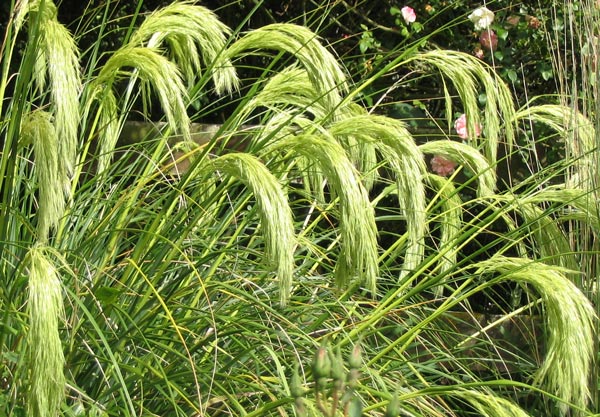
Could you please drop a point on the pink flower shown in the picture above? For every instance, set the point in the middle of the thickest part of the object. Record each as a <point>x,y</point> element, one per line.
<point>409,15</point>
<point>460,125</point>
<point>442,166</point>
<point>488,40</point>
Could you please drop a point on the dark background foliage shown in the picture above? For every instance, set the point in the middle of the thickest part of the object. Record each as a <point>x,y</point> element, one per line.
<point>365,35</point>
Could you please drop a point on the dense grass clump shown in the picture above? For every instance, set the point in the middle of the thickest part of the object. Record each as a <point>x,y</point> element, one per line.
<point>194,273</point>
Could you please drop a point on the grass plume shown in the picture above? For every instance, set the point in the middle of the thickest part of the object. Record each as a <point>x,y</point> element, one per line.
<point>274,211</point>
<point>46,360</point>
<point>37,128</point>
<point>58,57</point>
<point>569,319</point>
<point>324,70</point>
<point>190,32</point>
<point>467,73</point>
<point>152,69</point>
<point>358,256</point>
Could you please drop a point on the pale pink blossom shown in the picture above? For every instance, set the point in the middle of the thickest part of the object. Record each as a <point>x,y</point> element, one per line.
<point>409,15</point>
<point>460,125</point>
<point>442,165</point>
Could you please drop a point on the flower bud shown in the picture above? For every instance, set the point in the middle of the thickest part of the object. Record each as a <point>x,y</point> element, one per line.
<point>355,409</point>
<point>300,408</point>
<point>296,388</point>
<point>321,366</point>
<point>337,365</point>
<point>355,360</point>
<point>353,376</point>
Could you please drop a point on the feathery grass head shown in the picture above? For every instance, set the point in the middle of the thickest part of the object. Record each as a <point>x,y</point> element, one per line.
<point>37,128</point>
<point>151,68</point>
<point>190,31</point>
<point>46,358</point>
<point>399,150</point>
<point>569,319</point>
<point>58,58</point>
<point>358,255</point>
<point>290,88</point>
<point>465,155</point>
<point>108,120</point>
<point>324,71</point>
<point>548,238</point>
<point>21,8</point>
<point>274,212</point>
<point>490,405</point>
<point>552,239</point>
<point>577,132</point>
<point>467,73</point>
<point>586,209</point>
<point>450,219</point>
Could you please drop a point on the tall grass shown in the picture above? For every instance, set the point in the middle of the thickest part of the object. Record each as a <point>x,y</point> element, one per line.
<point>576,69</point>
<point>144,289</point>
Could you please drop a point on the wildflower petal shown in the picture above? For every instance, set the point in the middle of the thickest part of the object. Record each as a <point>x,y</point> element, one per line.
<point>408,14</point>
<point>482,18</point>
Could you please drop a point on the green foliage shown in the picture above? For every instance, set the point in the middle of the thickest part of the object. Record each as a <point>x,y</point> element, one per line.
<point>196,275</point>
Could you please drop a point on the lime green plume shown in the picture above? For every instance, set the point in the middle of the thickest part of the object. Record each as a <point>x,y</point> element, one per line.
<point>357,217</point>
<point>45,356</point>
<point>570,324</point>
<point>37,128</point>
<point>190,32</point>
<point>58,58</point>
<point>323,69</point>
<point>275,213</point>
<point>151,69</point>
<point>488,404</point>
